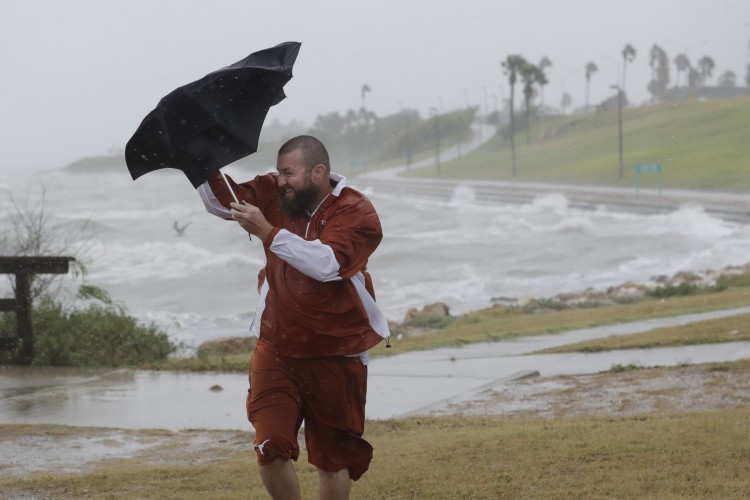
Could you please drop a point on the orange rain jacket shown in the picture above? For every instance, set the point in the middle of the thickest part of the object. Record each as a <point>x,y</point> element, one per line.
<point>316,296</point>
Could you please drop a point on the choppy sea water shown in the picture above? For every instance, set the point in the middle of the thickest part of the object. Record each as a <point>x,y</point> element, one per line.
<point>202,285</point>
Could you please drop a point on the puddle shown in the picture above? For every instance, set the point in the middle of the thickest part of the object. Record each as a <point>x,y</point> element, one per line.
<point>401,385</point>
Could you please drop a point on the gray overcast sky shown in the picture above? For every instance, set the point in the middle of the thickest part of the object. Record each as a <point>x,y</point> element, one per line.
<point>79,75</point>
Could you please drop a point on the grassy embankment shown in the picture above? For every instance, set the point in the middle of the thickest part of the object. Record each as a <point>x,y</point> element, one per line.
<point>700,145</point>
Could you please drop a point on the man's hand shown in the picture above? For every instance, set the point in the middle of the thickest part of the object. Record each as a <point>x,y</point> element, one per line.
<point>251,219</point>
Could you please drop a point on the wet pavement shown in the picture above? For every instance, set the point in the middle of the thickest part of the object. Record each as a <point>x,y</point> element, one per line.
<point>402,385</point>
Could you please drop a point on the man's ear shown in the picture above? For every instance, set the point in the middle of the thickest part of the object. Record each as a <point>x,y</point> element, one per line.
<point>319,171</point>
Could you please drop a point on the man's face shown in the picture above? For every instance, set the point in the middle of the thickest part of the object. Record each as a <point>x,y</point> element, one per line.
<point>296,189</point>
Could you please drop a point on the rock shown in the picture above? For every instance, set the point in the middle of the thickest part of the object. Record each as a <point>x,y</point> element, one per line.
<point>628,289</point>
<point>503,301</point>
<point>436,310</point>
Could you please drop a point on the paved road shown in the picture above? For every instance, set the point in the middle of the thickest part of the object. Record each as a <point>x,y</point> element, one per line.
<point>734,207</point>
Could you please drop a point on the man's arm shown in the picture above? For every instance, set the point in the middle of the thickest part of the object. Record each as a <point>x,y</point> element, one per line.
<point>344,245</point>
<point>217,197</point>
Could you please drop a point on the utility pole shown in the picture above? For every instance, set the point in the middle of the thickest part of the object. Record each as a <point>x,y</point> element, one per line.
<point>437,138</point>
<point>619,125</point>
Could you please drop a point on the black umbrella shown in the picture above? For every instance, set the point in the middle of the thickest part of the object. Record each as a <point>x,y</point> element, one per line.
<point>207,124</point>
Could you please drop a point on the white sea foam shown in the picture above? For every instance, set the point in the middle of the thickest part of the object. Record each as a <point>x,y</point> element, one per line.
<point>118,263</point>
<point>459,251</point>
<point>689,220</point>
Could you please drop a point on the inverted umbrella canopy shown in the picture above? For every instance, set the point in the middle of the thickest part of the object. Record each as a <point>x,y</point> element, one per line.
<point>207,124</point>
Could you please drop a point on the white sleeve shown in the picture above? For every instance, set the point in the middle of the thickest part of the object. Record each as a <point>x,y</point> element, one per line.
<point>212,203</point>
<point>313,258</point>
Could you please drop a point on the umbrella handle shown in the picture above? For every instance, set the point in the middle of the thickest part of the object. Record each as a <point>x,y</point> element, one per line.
<point>229,186</point>
<point>233,195</point>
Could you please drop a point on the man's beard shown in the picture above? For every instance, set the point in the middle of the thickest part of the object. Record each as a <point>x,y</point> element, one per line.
<point>301,199</point>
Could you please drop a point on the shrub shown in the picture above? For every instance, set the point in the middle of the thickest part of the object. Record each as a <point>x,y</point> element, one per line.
<point>732,280</point>
<point>681,290</point>
<point>99,334</point>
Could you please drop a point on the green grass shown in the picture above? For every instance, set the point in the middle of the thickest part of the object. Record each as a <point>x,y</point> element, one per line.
<point>714,331</point>
<point>694,455</point>
<point>700,145</point>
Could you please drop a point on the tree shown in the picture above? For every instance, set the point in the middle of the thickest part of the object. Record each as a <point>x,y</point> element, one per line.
<point>705,66</point>
<point>511,67</point>
<point>628,54</point>
<point>32,230</point>
<point>727,80</point>
<point>591,68</point>
<point>682,64</point>
<point>659,72</point>
<point>530,75</point>
<point>543,65</point>
<point>365,89</point>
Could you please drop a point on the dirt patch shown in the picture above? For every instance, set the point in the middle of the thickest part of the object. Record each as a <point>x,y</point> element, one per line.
<point>61,449</point>
<point>656,390</point>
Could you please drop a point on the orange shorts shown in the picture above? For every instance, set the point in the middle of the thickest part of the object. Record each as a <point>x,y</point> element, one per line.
<point>328,394</point>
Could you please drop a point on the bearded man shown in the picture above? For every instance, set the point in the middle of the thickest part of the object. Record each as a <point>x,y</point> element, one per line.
<point>316,316</point>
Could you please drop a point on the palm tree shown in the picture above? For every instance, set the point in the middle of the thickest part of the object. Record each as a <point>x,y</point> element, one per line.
<point>365,89</point>
<point>530,75</point>
<point>705,66</point>
<point>543,65</point>
<point>591,68</point>
<point>511,67</point>
<point>628,54</point>
<point>681,63</point>
<point>659,62</point>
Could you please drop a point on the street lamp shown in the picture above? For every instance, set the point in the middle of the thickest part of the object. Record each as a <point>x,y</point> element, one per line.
<point>408,151</point>
<point>619,124</point>
<point>484,112</point>
<point>436,113</point>
<point>497,113</point>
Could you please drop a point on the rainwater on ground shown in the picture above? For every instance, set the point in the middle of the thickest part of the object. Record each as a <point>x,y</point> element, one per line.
<point>402,385</point>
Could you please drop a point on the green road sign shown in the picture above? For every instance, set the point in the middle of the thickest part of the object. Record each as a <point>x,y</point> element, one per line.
<point>647,168</point>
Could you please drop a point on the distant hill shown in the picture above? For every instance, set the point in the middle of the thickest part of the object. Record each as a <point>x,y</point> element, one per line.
<point>90,164</point>
<point>265,157</point>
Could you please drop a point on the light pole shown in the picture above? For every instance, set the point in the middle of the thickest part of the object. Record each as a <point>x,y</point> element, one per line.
<point>408,137</point>
<point>619,124</point>
<point>436,113</point>
<point>484,109</point>
<point>618,65</point>
<point>497,113</point>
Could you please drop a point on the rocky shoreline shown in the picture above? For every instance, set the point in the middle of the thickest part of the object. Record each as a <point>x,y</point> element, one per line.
<point>681,283</point>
